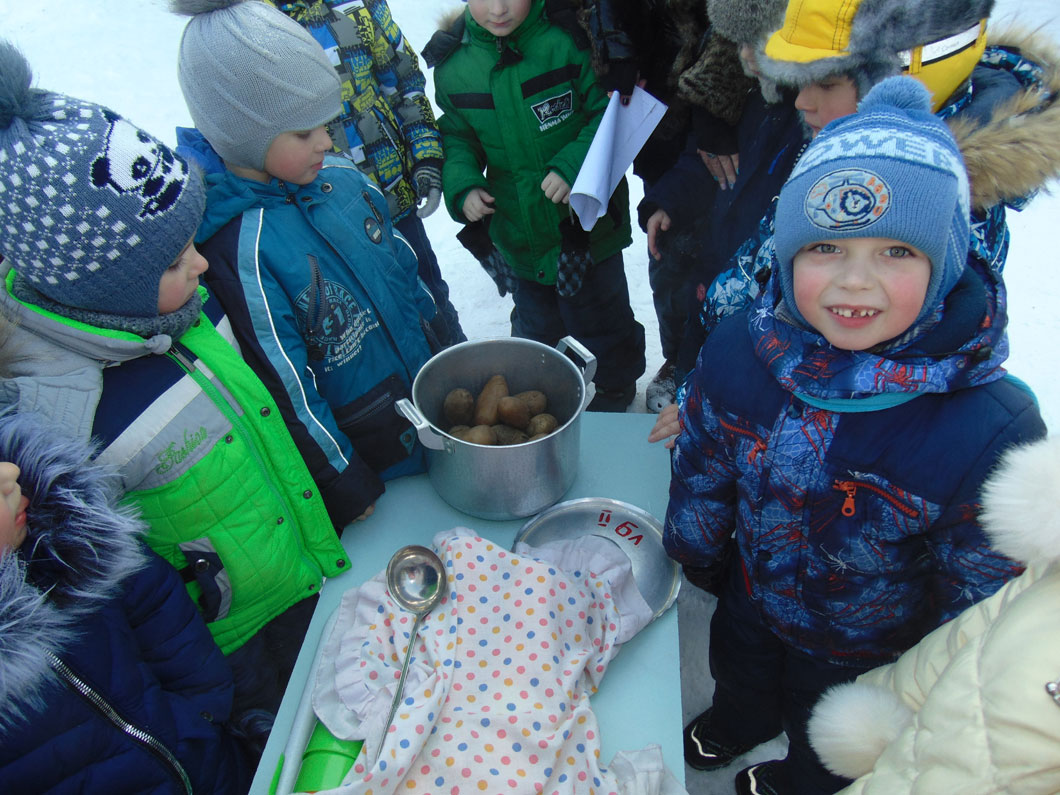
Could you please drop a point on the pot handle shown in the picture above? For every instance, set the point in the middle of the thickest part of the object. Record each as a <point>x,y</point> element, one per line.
<point>588,360</point>
<point>428,437</point>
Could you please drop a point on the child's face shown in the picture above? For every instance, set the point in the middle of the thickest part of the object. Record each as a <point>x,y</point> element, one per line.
<point>181,280</point>
<point>499,17</point>
<point>860,291</point>
<point>13,509</point>
<point>827,101</point>
<point>297,157</point>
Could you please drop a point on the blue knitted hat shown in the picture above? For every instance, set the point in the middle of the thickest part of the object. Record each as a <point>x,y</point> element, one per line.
<point>93,210</point>
<point>891,170</point>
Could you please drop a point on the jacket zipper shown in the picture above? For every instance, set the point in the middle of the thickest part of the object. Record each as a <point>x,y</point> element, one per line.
<point>224,402</point>
<point>851,488</point>
<point>100,705</point>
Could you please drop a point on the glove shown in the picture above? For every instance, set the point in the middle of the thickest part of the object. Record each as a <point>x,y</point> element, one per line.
<point>428,181</point>
<point>476,239</point>
<point>574,258</point>
<point>621,76</point>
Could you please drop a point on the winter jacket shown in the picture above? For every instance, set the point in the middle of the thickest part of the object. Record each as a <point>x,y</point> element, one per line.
<point>975,706</point>
<point>849,479</point>
<point>326,306</point>
<point>387,125</point>
<point>109,680</point>
<point>201,449</point>
<point>519,107</point>
<point>1007,126</point>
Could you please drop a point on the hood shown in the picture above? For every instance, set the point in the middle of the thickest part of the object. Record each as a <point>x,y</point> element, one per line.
<point>79,548</point>
<point>228,196</point>
<point>964,345</point>
<point>1013,148</point>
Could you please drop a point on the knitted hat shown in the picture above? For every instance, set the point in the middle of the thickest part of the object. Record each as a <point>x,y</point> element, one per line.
<point>249,74</point>
<point>891,170</point>
<point>937,41</point>
<point>745,21</point>
<point>93,209</point>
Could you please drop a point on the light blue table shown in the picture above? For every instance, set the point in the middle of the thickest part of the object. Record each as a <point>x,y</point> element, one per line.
<point>639,701</point>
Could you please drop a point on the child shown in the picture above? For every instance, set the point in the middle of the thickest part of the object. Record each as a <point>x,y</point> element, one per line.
<point>989,677</point>
<point>324,297</point>
<point>109,678</point>
<point>386,125</point>
<point>863,404</point>
<point>117,342</point>
<point>520,100</point>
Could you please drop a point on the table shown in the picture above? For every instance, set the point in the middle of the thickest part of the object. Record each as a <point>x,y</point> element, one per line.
<point>639,700</point>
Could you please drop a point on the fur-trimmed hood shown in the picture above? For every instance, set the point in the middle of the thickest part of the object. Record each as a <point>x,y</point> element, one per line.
<point>79,547</point>
<point>855,722</point>
<point>1016,151</point>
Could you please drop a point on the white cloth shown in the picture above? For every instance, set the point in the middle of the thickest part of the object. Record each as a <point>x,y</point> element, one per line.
<point>497,695</point>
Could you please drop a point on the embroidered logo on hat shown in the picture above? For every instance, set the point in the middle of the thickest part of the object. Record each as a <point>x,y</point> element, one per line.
<point>850,198</point>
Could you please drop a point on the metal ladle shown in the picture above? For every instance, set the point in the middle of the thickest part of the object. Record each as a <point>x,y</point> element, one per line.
<point>416,580</point>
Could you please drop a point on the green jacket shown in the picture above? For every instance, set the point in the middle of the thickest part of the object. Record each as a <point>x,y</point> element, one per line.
<point>518,107</point>
<point>201,449</point>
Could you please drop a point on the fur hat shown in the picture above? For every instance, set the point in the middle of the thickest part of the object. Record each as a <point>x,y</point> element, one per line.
<point>745,21</point>
<point>890,170</point>
<point>249,74</point>
<point>937,41</point>
<point>95,209</point>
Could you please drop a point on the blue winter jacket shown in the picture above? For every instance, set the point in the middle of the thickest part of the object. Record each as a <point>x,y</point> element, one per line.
<point>847,479</point>
<point>328,310</point>
<point>110,681</point>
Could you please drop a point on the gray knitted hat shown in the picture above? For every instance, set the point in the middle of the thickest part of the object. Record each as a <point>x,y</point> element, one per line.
<point>249,74</point>
<point>745,21</point>
<point>94,209</point>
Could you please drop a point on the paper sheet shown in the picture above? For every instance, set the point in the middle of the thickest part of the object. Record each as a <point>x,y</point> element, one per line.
<point>621,134</point>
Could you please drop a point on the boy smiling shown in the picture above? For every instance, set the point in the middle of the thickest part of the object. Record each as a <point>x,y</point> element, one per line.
<point>862,406</point>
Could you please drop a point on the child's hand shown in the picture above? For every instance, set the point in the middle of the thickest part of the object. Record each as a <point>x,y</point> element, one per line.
<point>556,188</point>
<point>658,223</point>
<point>666,427</point>
<point>477,205</point>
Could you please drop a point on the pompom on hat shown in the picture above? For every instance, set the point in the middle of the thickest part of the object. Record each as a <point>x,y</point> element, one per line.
<point>93,210</point>
<point>249,74</point>
<point>891,170</point>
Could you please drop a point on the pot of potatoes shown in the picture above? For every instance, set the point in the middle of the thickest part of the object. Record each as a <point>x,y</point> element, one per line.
<point>501,422</point>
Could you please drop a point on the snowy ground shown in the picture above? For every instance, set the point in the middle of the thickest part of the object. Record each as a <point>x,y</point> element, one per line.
<point>122,53</point>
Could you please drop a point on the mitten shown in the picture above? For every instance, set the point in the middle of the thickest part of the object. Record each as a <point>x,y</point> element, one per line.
<point>476,239</point>
<point>621,76</point>
<point>574,258</point>
<point>428,181</point>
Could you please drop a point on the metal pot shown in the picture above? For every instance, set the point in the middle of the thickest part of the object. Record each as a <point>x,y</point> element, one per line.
<point>512,481</point>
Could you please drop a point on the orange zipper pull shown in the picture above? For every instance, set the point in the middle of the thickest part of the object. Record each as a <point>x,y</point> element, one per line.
<point>851,489</point>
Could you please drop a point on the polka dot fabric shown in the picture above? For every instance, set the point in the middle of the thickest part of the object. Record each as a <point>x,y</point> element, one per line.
<point>497,695</point>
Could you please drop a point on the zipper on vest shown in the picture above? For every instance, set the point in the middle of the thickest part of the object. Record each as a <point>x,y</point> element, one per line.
<point>148,741</point>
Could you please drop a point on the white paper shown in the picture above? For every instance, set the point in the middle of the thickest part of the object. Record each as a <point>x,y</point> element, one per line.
<point>622,132</point>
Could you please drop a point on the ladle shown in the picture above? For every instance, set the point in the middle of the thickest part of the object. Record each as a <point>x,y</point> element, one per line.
<point>416,580</point>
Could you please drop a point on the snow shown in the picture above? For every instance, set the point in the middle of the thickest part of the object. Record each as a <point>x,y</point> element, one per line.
<point>122,53</point>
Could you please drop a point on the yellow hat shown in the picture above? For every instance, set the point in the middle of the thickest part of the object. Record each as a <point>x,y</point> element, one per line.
<point>937,41</point>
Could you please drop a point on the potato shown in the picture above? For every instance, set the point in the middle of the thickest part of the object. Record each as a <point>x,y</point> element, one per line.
<point>459,407</point>
<point>506,434</point>
<point>541,424</point>
<point>459,430</point>
<point>480,434</point>
<point>534,400</point>
<point>488,398</point>
<point>514,412</point>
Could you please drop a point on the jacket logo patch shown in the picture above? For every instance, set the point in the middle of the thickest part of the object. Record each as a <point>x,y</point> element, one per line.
<point>334,324</point>
<point>553,110</point>
<point>373,230</point>
<point>847,199</point>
